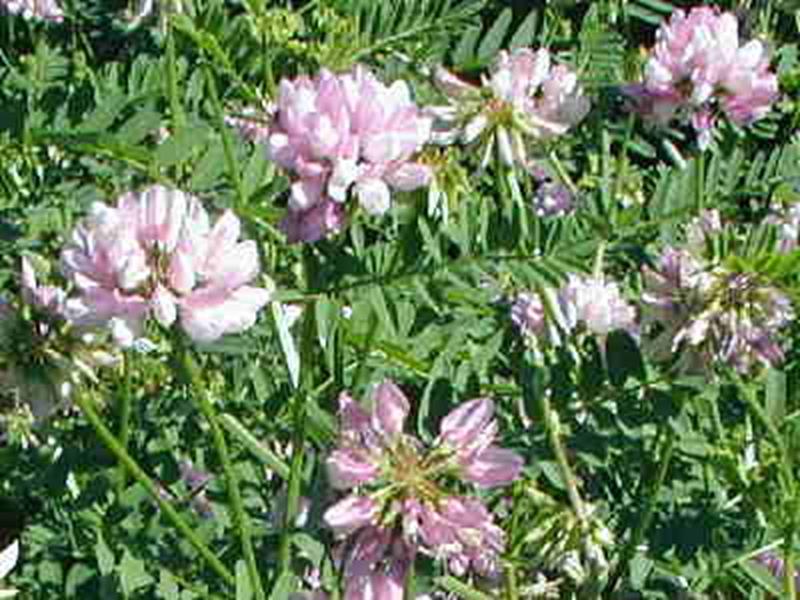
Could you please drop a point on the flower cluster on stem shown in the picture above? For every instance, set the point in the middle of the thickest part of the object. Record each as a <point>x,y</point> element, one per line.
<point>524,97</point>
<point>156,253</point>
<point>708,313</point>
<point>341,135</point>
<point>407,498</point>
<point>43,358</point>
<point>590,303</point>
<point>698,69</point>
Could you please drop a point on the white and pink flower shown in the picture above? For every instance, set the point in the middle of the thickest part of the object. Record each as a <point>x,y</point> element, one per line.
<point>698,69</point>
<point>524,97</point>
<point>343,135</point>
<point>156,254</point>
<point>400,502</point>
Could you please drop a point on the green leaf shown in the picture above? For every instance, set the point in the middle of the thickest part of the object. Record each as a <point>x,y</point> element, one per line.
<point>256,448</point>
<point>105,558</point>
<point>244,590</point>
<point>526,32</point>
<point>776,396</point>
<point>133,574</point>
<point>180,146</point>
<point>286,584</point>
<point>493,40</point>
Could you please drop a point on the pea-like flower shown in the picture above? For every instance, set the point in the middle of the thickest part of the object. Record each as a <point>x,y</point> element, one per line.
<point>698,69</point>
<point>342,135</point>
<point>406,497</point>
<point>42,358</point>
<point>590,303</point>
<point>707,313</point>
<point>524,97</point>
<point>157,254</point>
<point>47,10</point>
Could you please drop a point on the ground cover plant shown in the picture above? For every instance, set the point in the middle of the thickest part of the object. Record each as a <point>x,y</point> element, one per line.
<point>404,299</point>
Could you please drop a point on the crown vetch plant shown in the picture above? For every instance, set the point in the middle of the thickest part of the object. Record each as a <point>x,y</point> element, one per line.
<point>525,99</point>
<point>406,497</point>
<point>698,69</point>
<point>157,254</point>
<point>651,398</point>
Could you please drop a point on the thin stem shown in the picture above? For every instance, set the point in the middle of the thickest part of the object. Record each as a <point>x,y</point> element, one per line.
<point>299,421</point>
<point>649,510</point>
<point>240,519</point>
<point>553,426</point>
<point>556,165</point>
<point>788,561</point>
<point>227,145</point>
<point>141,477</point>
<point>126,402</point>
<point>295,477</point>
<point>700,181</point>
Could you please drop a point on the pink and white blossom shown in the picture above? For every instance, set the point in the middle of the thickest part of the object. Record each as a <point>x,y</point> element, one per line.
<point>47,10</point>
<point>341,136</point>
<point>708,315</point>
<point>156,254</point>
<point>698,69</point>
<point>401,500</point>
<point>524,97</point>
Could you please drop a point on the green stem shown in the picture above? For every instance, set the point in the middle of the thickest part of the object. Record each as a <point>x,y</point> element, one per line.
<point>295,477</point>
<point>553,426</point>
<point>240,519</point>
<point>699,181</point>
<point>649,510</point>
<point>141,477</point>
<point>299,421</point>
<point>788,561</point>
<point>227,145</point>
<point>176,109</point>
<point>126,403</point>
<point>562,173</point>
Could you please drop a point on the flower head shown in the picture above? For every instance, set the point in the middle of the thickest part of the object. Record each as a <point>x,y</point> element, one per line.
<point>343,135</point>
<point>157,254</point>
<point>523,97</point>
<point>698,69</point>
<point>709,313</point>
<point>47,10</point>
<point>43,358</point>
<point>401,496</point>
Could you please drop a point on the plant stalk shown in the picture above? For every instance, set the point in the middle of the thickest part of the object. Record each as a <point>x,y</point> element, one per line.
<point>240,519</point>
<point>649,510</point>
<point>142,478</point>
<point>125,410</point>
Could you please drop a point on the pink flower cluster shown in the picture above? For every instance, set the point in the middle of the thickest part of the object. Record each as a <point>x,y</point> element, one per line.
<point>157,254</point>
<point>525,96</point>
<point>588,301</point>
<point>43,359</point>
<point>698,67</point>
<point>400,500</point>
<point>707,314</point>
<point>343,133</point>
<point>48,10</point>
